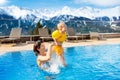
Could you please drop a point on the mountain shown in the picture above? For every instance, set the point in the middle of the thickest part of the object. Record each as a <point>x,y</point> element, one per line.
<point>87,12</point>
<point>14,16</point>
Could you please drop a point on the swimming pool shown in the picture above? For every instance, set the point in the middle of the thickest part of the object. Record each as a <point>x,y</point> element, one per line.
<point>101,62</point>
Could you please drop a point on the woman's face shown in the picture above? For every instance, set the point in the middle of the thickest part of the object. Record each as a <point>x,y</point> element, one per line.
<point>42,48</point>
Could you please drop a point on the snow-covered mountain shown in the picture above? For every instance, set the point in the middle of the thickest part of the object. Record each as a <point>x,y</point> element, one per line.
<point>13,16</point>
<point>87,12</point>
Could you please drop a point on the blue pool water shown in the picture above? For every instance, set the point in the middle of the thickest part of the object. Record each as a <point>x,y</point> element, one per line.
<point>84,63</point>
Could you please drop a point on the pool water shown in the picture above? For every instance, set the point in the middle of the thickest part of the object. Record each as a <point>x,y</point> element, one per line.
<point>101,62</point>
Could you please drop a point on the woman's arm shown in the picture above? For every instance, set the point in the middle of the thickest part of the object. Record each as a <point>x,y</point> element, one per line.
<point>48,54</point>
<point>57,43</point>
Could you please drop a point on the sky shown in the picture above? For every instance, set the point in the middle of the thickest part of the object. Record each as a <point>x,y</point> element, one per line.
<point>56,4</point>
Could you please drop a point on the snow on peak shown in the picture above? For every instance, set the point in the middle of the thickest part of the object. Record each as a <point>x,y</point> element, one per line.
<point>87,12</point>
<point>16,11</point>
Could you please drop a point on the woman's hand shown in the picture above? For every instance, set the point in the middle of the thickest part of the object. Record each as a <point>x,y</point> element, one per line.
<point>50,45</point>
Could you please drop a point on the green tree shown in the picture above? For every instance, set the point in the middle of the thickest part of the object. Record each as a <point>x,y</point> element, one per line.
<point>36,32</point>
<point>31,30</point>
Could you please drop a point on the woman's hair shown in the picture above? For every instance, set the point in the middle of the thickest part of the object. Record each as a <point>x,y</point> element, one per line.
<point>37,46</point>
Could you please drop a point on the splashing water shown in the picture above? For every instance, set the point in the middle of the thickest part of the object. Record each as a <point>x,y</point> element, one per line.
<point>54,65</point>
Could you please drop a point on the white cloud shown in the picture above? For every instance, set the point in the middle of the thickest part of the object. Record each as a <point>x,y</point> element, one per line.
<point>104,3</point>
<point>3,2</point>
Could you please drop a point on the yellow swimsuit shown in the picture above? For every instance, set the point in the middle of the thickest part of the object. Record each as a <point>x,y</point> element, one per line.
<point>60,37</point>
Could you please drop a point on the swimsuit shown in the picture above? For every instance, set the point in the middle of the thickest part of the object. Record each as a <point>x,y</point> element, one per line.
<point>60,37</point>
<point>58,49</point>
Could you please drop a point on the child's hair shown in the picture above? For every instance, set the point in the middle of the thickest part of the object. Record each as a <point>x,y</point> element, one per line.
<point>61,25</point>
<point>37,46</point>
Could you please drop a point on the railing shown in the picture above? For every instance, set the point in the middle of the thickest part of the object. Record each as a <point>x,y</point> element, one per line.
<point>32,38</point>
<point>80,26</point>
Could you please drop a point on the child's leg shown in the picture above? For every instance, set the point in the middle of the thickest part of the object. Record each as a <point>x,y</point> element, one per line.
<point>59,51</point>
<point>62,59</point>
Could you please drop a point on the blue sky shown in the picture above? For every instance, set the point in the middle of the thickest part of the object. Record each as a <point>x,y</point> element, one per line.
<point>55,4</point>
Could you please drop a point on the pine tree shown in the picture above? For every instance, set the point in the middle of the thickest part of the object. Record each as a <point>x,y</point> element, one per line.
<point>36,32</point>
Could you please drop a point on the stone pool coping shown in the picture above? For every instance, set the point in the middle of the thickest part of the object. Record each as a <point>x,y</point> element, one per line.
<point>23,46</point>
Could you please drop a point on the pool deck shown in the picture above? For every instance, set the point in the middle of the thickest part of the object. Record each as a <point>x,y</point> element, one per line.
<point>23,46</point>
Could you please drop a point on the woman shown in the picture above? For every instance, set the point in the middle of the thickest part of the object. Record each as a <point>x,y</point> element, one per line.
<point>40,51</point>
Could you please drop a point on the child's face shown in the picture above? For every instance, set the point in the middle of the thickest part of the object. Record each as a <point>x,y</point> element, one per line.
<point>63,29</point>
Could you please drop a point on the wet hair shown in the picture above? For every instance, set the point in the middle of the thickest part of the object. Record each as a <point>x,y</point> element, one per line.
<point>37,46</point>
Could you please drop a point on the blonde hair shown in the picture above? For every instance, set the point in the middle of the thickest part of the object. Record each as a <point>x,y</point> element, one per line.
<point>61,25</point>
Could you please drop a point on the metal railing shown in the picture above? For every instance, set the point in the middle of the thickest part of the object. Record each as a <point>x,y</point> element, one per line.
<point>80,26</point>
